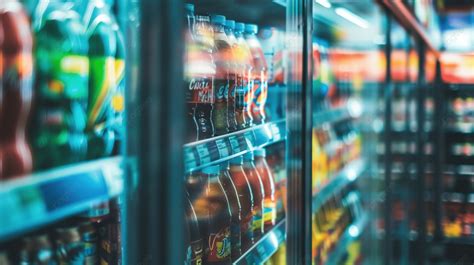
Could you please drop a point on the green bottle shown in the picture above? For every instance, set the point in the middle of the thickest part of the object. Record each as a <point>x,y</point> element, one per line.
<point>106,71</point>
<point>61,86</point>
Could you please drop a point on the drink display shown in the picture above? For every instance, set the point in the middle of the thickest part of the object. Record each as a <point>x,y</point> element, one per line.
<point>61,86</point>
<point>17,91</point>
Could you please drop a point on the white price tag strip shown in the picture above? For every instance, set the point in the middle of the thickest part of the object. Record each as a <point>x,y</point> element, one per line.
<point>234,143</point>
<point>204,156</point>
<point>222,148</point>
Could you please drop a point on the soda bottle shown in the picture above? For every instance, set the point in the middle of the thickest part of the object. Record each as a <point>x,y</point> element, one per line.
<point>202,70</point>
<point>190,50</point>
<point>222,50</point>
<point>269,202</point>
<point>259,74</point>
<point>61,86</point>
<point>258,193</point>
<point>244,93</point>
<point>105,74</point>
<point>232,75</point>
<point>218,215</point>
<point>17,89</point>
<point>244,191</point>
<point>195,251</point>
<point>236,210</point>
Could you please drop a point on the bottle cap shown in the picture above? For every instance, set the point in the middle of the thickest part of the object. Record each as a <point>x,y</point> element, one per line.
<point>230,24</point>
<point>211,170</point>
<point>237,160</point>
<point>189,7</point>
<point>260,152</point>
<point>248,156</point>
<point>251,28</point>
<point>218,20</point>
<point>239,27</point>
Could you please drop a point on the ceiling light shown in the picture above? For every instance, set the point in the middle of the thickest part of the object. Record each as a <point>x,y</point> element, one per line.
<point>351,17</point>
<point>324,3</point>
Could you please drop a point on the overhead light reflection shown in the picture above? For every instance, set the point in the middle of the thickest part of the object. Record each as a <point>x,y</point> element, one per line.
<point>354,231</point>
<point>351,17</point>
<point>324,3</point>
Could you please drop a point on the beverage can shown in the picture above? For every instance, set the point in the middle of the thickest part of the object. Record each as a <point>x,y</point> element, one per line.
<point>69,245</point>
<point>16,89</point>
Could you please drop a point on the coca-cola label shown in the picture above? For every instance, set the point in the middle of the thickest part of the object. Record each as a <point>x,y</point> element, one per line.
<point>219,246</point>
<point>200,90</point>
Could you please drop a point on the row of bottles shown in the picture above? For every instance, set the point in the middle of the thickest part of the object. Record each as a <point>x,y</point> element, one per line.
<point>227,74</point>
<point>62,84</point>
<point>230,207</point>
<point>333,148</point>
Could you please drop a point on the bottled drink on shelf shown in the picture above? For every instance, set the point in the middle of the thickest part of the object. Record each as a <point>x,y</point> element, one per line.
<point>244,92</point>
<point>90,240</point>
<point>236,210</point>
<point>269,202</point>
<point>222,55</point>
<point>106,68</point>
<point>258,193</point>
<point>61,86</point>
<point>16,89</point>
<point>233,75</point>
<point>195,245</point>
<point>214,208</point>
<point>69,245</point>
<point>191,48</point>
<point>200,73</point>
<point>259,74</point>
<point>244,191</point>
<point>1,103</point>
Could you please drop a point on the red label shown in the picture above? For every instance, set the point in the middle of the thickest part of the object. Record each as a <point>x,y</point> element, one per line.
<point>200,90</point>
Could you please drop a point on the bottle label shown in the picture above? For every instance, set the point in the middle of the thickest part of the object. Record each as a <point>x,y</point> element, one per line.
<point>257,221</point>
<point>269,212</point>
<point>102,83</point>
<point>260,93</point>
<point>248,92</point>
<point>118,100</point>
<point>219,246</point>
<point>200,90</point>
<point>194,254</point>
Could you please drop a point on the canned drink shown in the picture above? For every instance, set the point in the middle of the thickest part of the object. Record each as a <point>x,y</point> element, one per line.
<point>69,245</point>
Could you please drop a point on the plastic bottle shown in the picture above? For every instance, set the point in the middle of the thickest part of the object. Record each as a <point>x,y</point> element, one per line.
<point>269,202</point>
<point>236,210</point>
<point>202,71</point>
<point>1,98</point>
<point>17,89</point>
<point>190,50</point>
<point>259,74</point>
<point>104,76</point>
<point>222,52</point>
<point>61,86</point>
<point>244,190</point>
<point>218,219</point>
<point>233,75</point>
<point>244,93</point>
<point>258,193</point>
<point>195,250</point>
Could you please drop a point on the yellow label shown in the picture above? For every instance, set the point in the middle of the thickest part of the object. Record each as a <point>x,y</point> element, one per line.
<point>75,64</point>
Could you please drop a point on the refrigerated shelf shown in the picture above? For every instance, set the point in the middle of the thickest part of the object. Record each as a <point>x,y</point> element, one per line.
<point>42,198</point>
<point>351,233</point>
<point>215,150</point>
<point>346,176</point>
<point>265,247</point>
